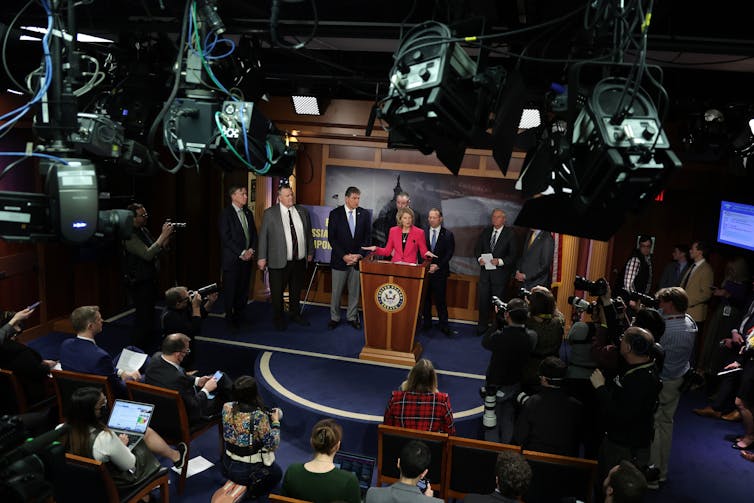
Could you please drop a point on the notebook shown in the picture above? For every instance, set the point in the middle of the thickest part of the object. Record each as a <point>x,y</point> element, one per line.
<point>362,466</point>
<point>130,419</point>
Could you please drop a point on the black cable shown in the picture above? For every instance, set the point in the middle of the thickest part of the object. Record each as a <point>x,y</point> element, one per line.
<point>275,18</point>
<point>13,165</point>
<point>174,90</point>
<point>5,44</point>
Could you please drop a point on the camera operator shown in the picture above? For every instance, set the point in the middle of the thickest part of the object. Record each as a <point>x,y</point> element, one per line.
<point>547,322</point>
<point>628,403</point>
<point>550,420</point>
<point>140,269</point>
<point>510,348</point>
<point>184,312</point>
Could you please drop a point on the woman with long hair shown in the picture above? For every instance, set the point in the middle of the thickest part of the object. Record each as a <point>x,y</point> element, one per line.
<point>319,480</point>
<point>89,436</point>
<point>251,434</point>
<point>418,404</point>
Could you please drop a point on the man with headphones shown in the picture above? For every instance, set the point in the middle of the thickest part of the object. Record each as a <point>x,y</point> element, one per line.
<point>550,420</point>
<point>628,403</point>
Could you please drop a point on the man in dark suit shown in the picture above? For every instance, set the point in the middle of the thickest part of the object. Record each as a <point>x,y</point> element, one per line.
<point>536,261</point>
<point>499,243</point>
<point>81,354</point>
<point>441,242</point>
<point>512,478</point>
<point>286,245</point>
<point>238,237</point>
<point>202,396</point>
<point>348,229</point>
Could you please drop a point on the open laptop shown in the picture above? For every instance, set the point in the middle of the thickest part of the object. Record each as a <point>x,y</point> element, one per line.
<point>130,419</point>
<point>362,466</point>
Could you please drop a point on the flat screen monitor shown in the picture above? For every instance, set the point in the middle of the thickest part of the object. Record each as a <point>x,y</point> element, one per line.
<point>736,226</point>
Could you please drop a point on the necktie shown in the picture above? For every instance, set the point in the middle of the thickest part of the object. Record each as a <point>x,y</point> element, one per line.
<point>351,223</point>
<point>687,276</point>
<point>532,238</point>
<point>434,239</point>
<point>493,240</point>
<point>244,225</point>
<point>294,238</point>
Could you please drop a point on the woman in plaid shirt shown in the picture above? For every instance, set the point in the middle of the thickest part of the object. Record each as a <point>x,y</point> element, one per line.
<point>418,405</point>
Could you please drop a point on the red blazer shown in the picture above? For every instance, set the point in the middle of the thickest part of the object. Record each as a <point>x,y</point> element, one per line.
<point>414,242</point>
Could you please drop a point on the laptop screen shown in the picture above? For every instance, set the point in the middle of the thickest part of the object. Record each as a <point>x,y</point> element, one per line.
<point>362,466</point>
<point>130,416</point>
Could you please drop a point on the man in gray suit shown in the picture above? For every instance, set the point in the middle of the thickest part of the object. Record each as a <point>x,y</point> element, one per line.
<point>285,246</point>
<point>413,465</point>
<point>534,266</point>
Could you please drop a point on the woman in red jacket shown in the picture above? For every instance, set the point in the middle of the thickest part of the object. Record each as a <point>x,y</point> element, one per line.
<point>404,240</point>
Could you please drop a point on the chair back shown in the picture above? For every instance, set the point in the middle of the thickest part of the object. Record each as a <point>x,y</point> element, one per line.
<point>471,466</point>
<point>390,441</point>
<point>12,396</point>
<point>66,382</point>
<point>86,476</point>
<point>556,477</point>
<point>170,419</point>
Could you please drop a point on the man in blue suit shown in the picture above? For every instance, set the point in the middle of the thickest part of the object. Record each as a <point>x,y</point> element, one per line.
<point>238,236</point>
<point>286,245</point>
<point>441,242</point>
<point>349,227</point>
<point>81,354</point>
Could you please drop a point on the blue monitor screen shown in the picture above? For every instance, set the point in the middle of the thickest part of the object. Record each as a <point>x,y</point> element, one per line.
<point>736,226</point>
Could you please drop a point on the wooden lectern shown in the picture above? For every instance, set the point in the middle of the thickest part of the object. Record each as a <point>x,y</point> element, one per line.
<point>391,297</point>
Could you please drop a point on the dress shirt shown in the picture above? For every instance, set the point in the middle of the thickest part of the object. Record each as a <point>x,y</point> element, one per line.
<point>678,342</point>
<point>244,222</point>
<point>299,225</point>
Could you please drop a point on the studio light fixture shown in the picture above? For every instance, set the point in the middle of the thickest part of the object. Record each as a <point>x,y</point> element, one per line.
<point>308,104</point>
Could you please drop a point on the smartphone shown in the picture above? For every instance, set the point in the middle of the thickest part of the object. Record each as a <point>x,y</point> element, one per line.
<point>218,375</point>
<point>422,484</point>
<point>35,305</point>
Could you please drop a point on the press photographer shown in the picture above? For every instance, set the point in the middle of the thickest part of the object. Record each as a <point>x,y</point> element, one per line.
<point>548,324</point>
<point>628,403</point>
<point>184,312</point>
<point>550,420</point>
<point>141,266</point>
<point>510,348</point>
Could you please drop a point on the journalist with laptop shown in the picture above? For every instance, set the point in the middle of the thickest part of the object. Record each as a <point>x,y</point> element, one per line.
<point>90,437</point>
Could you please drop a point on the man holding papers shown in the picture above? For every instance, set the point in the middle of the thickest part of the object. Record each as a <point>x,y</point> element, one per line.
<point>81,354</point>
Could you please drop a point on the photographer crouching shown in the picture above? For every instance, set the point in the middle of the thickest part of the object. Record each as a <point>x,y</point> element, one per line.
<point>510,348</point>
<point>628,403</point>
<point>184,312</point>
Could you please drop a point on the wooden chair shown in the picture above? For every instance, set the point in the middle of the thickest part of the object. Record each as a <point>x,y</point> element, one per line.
<point>66,382</point>
<point>13,398</point>
<point>89,480</point>
<point>556,477</point>
<point>390,441</point>
<point>284,499</point>
<point>470,466</point>
<point>170,419</point>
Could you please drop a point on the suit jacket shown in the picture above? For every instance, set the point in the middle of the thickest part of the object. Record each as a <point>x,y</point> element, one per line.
<point>444,249</point>
<point>398,493</point>
<point>699,291</point>
<point>505,248</point>
<point>79,355</point>
<point>232,238</point>
<point>272,244</point>
<point>536,260</point>
<point>339,235</point>
<point>163,374</point>
<point>415,242</point>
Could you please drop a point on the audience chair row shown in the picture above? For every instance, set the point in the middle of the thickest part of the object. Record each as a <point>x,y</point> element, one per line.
<point>462,465</point>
